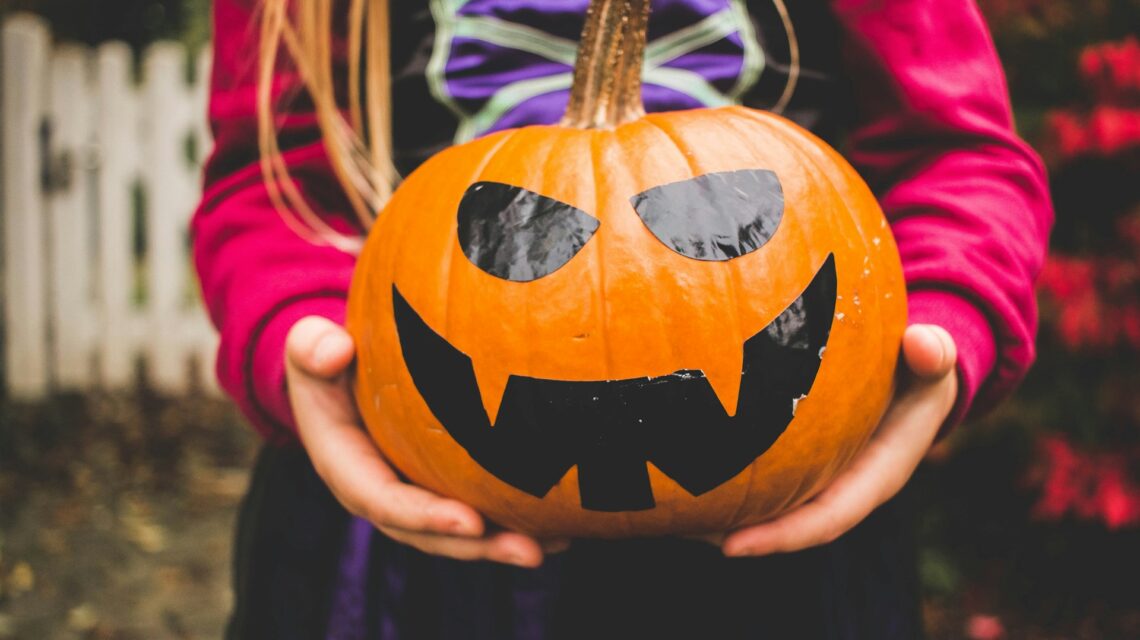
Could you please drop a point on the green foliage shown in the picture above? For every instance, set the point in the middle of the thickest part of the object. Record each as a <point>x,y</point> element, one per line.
<point>1034,513</point>
<point>1039,42</point>
<point>138,22</point>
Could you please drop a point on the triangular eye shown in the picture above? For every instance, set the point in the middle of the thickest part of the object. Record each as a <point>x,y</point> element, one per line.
<point>516,234</point>
<point>716,216</point>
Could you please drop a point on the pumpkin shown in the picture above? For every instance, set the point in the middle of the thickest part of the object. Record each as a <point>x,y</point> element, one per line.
<point>628,324</point>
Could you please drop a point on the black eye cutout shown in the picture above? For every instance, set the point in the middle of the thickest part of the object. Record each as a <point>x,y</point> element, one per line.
<point>518,235</point>
<point>716,216</point>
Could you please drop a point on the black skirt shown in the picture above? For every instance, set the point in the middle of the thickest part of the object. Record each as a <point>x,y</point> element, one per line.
<point>292,534</point>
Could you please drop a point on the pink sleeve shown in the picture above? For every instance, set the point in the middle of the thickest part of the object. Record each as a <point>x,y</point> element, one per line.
<point>258,277</point>
<point>967,199</point>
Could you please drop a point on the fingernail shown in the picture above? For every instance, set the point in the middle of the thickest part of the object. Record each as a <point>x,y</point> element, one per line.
<point>458,527</point>
<point>941,348</point>
<point>325,348</point>
<point>517,560</point>
<point>444,520</point>
<point>736,551</point>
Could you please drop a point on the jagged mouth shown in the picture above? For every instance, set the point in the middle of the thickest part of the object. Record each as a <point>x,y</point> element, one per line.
<point>611,429</point>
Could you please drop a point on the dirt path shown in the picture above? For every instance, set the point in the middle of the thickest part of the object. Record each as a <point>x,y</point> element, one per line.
<point>117,518</point>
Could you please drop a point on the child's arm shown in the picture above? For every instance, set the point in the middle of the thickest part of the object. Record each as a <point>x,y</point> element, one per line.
<point>969,205</point>
<point>967,199</point>
<point>258,276</point>
<point>260,280</point>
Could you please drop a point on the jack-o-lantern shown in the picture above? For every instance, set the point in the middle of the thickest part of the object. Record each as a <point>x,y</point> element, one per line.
<point>628,324</point>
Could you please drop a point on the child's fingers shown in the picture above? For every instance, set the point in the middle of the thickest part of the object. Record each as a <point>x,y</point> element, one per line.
<point>362,480</point>
<point>929,351</point>
<point>343,454</point>
<point>505,547</point>
<point>364,483</point>
<point>317,353</point>
<point>878,473</point>
<point>407,507</point>
<point>319,347</point>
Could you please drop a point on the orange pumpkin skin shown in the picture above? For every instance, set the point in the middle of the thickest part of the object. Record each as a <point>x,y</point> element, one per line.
<point>627,306</point>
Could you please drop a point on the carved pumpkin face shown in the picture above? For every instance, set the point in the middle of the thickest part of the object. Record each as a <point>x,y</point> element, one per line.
<point>688,322</point>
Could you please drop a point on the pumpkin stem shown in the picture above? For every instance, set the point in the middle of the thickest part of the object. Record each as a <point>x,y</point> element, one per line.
<point>607,75</point>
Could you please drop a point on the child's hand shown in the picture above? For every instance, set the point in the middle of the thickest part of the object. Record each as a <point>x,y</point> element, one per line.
<point>925,397</point>
<point>317,355</point>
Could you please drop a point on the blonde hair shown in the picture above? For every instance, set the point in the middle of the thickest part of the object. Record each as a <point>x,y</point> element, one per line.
<point>359,144</point>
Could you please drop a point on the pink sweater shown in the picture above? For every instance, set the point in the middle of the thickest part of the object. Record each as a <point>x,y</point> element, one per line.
<point>931,131</point>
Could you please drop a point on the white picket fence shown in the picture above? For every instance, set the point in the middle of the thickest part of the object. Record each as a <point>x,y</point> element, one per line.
<point>91,156</point>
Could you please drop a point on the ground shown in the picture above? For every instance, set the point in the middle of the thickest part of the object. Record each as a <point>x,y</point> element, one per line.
<point>118,518</point>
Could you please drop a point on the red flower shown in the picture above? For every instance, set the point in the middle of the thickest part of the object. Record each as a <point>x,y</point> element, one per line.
<point>1089,485</point>
<point>1130,325</point>
<point>1117,499</point>
<point>1105,131</point>
<point>1071,283</point>
<point>1111,129</point>
<point>1112,69</point>
<point>1065,278</point>
<point>1059,490</point>
<point>980,627</point>
<point>1095,302</point>
<point>1082,323</point>
<point>1065,135</point>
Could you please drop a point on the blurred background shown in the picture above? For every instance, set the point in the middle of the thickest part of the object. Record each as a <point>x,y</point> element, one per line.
<point>121,466</point>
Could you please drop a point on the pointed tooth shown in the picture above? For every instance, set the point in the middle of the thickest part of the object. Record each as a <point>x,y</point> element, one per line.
<point>724,374</point>
<point>492,381</point>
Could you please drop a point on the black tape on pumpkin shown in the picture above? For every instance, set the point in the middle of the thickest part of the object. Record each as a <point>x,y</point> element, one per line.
<point>518,235</point>
<point>715,216</point>
<point>611,429</point>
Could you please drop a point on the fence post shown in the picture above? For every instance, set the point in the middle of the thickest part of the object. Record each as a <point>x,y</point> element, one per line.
<point>25,42</point>
<point>117,131</point>
<point>69,200</point>
<point>79,137</point>
<point>167,123</point>
<point>206,338</point>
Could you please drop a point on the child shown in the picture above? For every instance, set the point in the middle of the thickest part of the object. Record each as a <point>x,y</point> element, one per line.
<point>910,90</point>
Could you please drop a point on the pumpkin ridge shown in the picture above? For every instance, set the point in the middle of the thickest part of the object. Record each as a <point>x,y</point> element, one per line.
<point>651,120</point>
<point>774,125</point>
<point>441,477</point>
<point>844,456</point>
<point>695,170</point>
<point>596,143</point>
<point>884,236</point>
<point>805,151</point>
<point>796,145</point>
<point>548,159</point>
<point>797,142</point>
<point>675,355</point>
<point>452,263</point>
<point>734,521</point>
<point>744,129</point>
<point>797,496</point>
<point>734,293</point>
